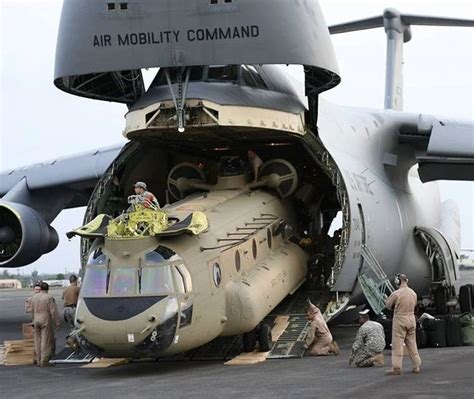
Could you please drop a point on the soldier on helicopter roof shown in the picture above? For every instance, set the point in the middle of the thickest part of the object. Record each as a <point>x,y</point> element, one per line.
<point>144,197</point>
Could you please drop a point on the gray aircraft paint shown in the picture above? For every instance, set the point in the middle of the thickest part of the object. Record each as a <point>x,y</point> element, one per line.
<point>384,185</point>
<point>259,35</point>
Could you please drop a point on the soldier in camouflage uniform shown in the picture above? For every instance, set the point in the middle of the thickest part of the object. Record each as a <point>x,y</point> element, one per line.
<point>367,350</point>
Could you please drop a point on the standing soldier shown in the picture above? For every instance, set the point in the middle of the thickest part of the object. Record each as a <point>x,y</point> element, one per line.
<point>70,297</point>
<point>403,302</point>
<point>36,290</point>
<point>319,338</point>
<point>367,349</point>
<point>45,314</point>
<point>255,163</point>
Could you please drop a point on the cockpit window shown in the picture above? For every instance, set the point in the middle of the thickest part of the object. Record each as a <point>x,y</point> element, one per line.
<point>226,73</point>
<point>97,258</point>
<point>251,77</point>
<point>95,282</point>
<point>156,280</point>
<point>164,252</point>
<point>123,281</point>
<point>153,258</point>
<point>246,75</point>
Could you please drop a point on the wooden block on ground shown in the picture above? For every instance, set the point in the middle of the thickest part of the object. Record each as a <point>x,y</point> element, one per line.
<point>106,362</point>
<point>2,355</point>
<point>281,323</point>
<point>18,352</point>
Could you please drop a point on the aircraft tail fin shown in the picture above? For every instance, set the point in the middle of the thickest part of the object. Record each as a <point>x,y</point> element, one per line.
<point>398,30</point>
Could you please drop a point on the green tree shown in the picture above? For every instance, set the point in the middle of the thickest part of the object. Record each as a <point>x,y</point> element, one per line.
<point>60,276</point>
<point>34,274</point>
<point>5,273</point>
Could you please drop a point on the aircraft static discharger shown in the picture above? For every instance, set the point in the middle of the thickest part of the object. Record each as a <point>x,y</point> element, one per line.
<point>225,250</point>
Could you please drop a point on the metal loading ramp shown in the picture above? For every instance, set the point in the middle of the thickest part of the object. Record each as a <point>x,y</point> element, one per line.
<point>291,342</point>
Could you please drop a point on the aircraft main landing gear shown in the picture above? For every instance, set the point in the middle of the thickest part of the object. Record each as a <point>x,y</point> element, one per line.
<point>465,299</point>
<point>263,334</point>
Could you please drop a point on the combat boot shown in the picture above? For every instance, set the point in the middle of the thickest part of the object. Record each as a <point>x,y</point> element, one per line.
<point>378,360</point>
<point>335,348</point>
<point>46,364</point>
<point>393,372</point>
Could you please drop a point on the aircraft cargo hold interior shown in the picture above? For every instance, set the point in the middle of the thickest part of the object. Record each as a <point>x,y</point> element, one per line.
<point>322,223</point>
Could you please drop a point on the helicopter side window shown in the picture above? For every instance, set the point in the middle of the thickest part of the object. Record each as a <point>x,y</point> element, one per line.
<point>186,277</point>
<point>123,281</point>
<point>95,282</point>
<point>179,282</point>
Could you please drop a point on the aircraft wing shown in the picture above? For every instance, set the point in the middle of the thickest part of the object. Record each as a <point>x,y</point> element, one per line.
<point>78,174</point>
<point>31,197</point>
<point>444,147</point>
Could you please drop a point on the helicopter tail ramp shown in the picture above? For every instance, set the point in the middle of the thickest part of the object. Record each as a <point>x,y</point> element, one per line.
<point>398,30</point>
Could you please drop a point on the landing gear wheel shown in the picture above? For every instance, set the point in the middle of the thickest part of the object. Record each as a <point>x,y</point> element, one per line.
<point>441,300</point>
<point>472,293</point>
<point>465,301</point>
<point>249,340</point>
<point>265,338</point>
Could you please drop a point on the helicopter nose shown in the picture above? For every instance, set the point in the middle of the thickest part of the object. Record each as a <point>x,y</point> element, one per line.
<point>119,309</point>
<point>160,337</point>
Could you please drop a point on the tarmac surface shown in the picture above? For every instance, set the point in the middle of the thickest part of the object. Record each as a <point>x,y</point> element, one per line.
<point>447,372</point>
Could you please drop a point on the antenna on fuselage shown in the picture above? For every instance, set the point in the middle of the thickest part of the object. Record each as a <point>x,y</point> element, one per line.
<point>398,30</point>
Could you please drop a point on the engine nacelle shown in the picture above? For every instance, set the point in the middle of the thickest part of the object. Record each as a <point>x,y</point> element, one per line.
<point>24,235</point>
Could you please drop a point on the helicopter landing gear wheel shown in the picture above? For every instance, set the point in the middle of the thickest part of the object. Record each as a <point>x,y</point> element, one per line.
<point>265,337</point>
<point>249,340</point>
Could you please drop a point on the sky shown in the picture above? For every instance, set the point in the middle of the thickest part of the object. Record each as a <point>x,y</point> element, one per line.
<point>39,122</point>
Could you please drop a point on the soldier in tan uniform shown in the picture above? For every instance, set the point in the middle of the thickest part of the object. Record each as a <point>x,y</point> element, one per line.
<point>36,290</point>
<point>45,315</point>
<point>255,163</point>
<point>319,338</point>
<point>70,297</point>
<point>403,302</point>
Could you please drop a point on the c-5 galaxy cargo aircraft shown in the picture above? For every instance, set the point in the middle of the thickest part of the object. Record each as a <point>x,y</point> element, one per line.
<point>229,245</point>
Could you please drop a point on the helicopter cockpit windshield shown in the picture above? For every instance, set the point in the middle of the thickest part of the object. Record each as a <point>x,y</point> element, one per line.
<point>160,272</point>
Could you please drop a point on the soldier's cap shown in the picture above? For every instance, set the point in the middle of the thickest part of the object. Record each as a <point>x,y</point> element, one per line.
<point>312,308</point>
<point>364,312</point>
<point>140,184</point>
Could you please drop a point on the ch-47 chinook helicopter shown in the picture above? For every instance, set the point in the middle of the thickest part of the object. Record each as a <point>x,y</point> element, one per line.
<point>228,247</point>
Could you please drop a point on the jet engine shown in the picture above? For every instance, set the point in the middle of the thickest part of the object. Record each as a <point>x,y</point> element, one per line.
<point>24,235</point>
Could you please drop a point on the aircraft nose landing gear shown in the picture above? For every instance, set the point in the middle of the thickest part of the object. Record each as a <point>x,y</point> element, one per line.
<point>261,334</point>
